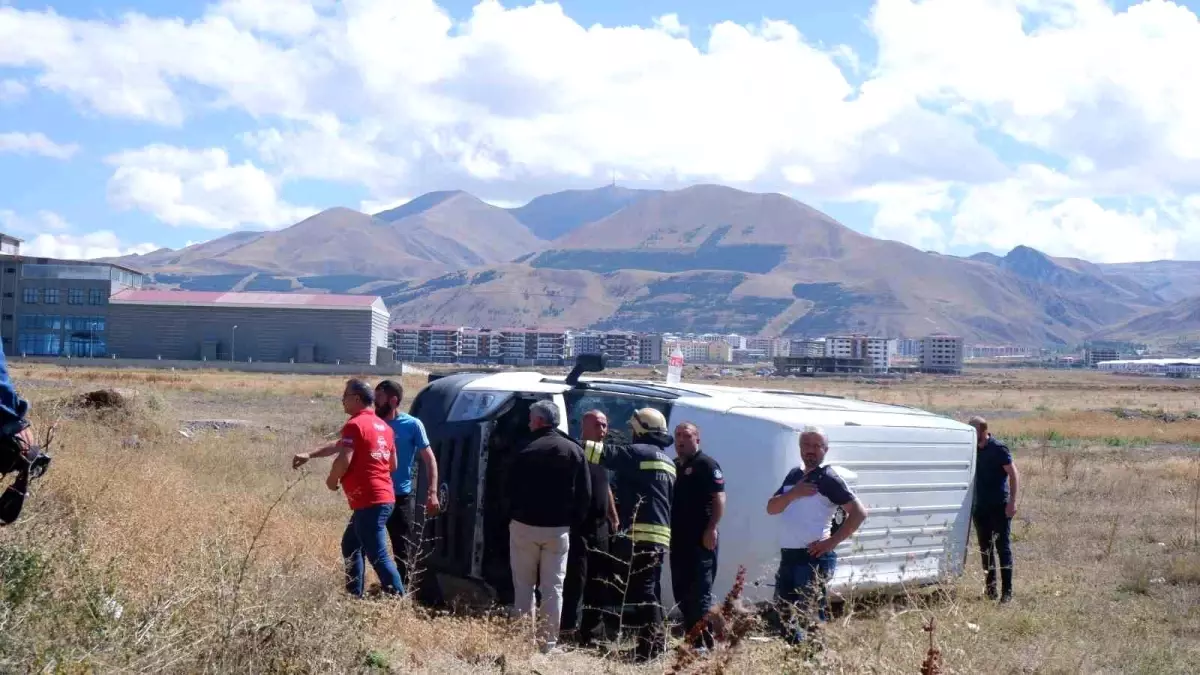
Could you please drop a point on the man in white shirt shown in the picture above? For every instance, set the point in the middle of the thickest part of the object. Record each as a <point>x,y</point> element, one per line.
<point>806,503</point>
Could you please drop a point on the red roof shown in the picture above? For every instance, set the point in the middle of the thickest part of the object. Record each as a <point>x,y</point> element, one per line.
<point>133,296</point>
<point>425,326</point>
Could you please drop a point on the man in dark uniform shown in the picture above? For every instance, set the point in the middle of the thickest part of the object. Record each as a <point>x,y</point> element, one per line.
<point>698,506</point>
<point>645,483</point>
<point>996,483</point>
<point>585,592</point>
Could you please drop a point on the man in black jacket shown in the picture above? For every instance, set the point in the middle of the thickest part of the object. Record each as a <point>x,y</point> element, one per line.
<point>549,491</point>
<point>586,592</point>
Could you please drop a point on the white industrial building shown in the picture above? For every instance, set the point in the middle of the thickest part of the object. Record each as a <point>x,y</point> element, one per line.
<point>1168,367</point>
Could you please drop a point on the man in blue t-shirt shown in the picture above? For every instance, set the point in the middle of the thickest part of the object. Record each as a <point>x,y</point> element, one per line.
<point>411,441</point>
<point>996,483</point>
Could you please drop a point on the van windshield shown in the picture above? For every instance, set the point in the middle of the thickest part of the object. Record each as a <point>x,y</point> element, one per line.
<point>616,406</point>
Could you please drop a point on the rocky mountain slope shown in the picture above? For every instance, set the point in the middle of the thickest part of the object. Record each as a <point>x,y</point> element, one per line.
<point>704,258</point>
<point>1177,322</point>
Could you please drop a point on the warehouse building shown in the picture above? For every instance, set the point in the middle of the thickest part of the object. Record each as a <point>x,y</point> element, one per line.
<point>272,327</point>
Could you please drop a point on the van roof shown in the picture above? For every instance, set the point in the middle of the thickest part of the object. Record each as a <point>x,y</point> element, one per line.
<point>710,396</point>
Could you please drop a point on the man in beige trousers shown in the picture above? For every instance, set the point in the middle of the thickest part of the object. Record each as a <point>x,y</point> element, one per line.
<point>549,491</point>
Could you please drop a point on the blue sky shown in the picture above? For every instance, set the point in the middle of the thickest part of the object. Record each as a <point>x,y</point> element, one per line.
<point>952,125</point>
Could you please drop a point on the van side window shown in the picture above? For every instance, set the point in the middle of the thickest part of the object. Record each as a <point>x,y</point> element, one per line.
<point>617,407</point>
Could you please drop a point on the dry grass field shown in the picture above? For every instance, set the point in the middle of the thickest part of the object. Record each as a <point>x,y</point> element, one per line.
<point>147,550</point>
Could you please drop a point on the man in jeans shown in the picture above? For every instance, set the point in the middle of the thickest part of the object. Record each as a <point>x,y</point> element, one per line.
<point>549,491</point>
<point>366,457</point>
<point>806,503</point>
<point>411,442</point>
<point>996,483</point>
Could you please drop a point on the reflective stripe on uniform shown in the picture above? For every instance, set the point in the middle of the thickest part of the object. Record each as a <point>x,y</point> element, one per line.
<point>593,451</point>
<point>648,532</point>
<point>657,465</point>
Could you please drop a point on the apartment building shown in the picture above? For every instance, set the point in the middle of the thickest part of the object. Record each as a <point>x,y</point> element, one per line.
<point>768,347</point>
<point>941,353</point>
<point>998,351</point>
<point>806,348</point>
<point>519,346</point>
<point>621,348</point>
<point>694,351</point>
<point>1094,356</point>
<point>720,351</point>
<point>908,347</point>
<point>480,346</point>
<point>426,343</point>
<point>513,345</point>
<point>650,348</point>
<point>547,347</point>
<point>877,350</point>
<point>587,342</point>
<point>55,307</point>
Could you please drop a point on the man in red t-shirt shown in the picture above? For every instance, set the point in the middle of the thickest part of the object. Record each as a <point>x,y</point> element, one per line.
<point>366,458</point>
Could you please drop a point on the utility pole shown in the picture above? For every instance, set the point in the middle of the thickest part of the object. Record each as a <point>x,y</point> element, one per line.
<point>232,342</point>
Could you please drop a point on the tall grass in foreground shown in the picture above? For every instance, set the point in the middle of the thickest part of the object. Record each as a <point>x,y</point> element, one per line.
<point>146,551</point>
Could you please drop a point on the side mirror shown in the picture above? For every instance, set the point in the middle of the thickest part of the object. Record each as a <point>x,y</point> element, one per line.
<point>586,363</point>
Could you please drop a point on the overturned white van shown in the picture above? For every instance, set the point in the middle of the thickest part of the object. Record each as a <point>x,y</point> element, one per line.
<point>911,469</point>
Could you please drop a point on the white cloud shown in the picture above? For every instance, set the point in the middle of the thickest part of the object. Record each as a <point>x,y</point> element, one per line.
<point>42,221</point>
<point>1046,210</point>
<point>1072,77</point>
<point>198,187</point>
<point>12,91</point>
<point>129,67</point>
<point>35,144</point>
<point>397,97</point>
<point>669,24</point>
<point>293,18</point>
<point>393,93</point>
<point>1036,207</point>
<point>905,212</point>
<point>48,234</point>
<point>100,244</point>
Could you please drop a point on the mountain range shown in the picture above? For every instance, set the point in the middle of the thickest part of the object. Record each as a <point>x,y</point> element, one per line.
<point>706,258</point>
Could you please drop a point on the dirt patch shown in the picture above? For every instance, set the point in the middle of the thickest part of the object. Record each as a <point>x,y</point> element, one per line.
<point>106,399</point>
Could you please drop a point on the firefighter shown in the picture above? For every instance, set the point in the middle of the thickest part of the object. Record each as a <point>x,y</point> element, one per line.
<point>645,484</point>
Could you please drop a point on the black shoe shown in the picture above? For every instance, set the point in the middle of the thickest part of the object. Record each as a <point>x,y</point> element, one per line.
<point>1006,584</point>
